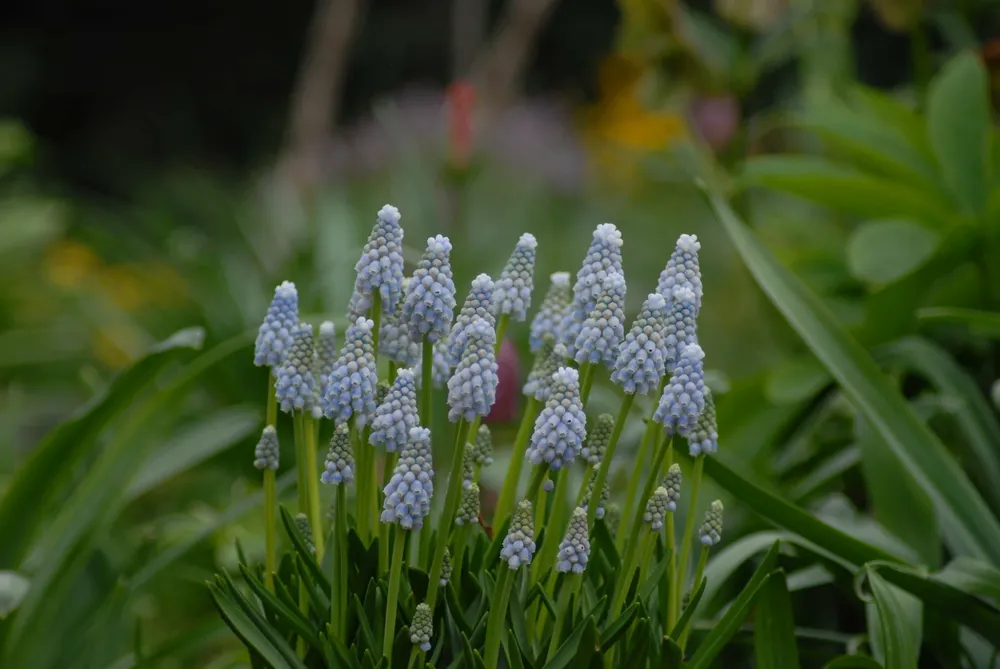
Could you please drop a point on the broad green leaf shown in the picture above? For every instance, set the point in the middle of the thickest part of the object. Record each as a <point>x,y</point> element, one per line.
<point>13,588</point>
<point>960,129</point>
<point>724,562</point>
<point>844,189</point>
<point>974,530</point>
<point>886,250</point>
<point>971,576</point>
<point>774,626</point>
<point>894,113</point>
<point>853,662</point>
<point>613,630</point>
<point>512,650</point>
<point>982,323</point>
<point>247,624</point>
<point>567,651</point>
<point>825,472</point>
<point>900,617</point>
<point>689,611</point>
<point>796,380</point>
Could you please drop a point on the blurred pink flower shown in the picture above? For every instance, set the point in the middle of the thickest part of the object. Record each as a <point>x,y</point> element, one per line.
<point>716,119</point>
<point>505,408</point>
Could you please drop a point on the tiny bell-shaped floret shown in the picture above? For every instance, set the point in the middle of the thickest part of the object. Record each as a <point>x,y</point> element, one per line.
<point>274,337</point>
<point>682,270</point>
<point>549,358</point>
<point>561,427</point>
<point>305,531</point>
<point>422,627</point>
<point>517,280</point>
<point>604,257</point>
<point>267,453</point>
<point>326,356</point>
<point>704,438</point>
<point>339,465</point>
<point>602,332</point>
<point>472,389</point>
<point>429,303</point>
<point>683,397</point>
<point>397,414</point>
<point>641,357</point>
<point>657,507</point>
<point>482,447</point>
<point>468,508</point>
<point>380,266</point>
<point>597,439</point>
<point>555,307</point>
<point>519,545</point>
<point>602,502</point>
<point>408,493</point>
<point>294,386</point>
<point>574,551</point>
<point>476,305</point>
<point>394,336</point>
<point>710,532</point>
<point>672,483</point>
<point>446,569</point>
<point>680,327</point>
<point>351,390</point>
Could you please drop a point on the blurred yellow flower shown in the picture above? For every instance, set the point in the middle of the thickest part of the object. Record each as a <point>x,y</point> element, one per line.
<point>69,263</point>
<point>115,345</point>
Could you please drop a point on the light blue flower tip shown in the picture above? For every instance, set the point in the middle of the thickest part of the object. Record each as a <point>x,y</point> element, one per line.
<point>683,397</point>
<point>295,386</point>
<point>604,257</point>
<point>682,270</point>
<point>477,305</point>
<point>267,452</point>
<point>422,627</point>
<point>561,427</point>
<point>350,391</point>
<point>602,332</point>
<point>397,414</point>
<point>472,389</point>
<point>680,326</point>
<point>518,546</point>
<point>574,551</point>
<point>555,306</point>
<point>274,337</point>
<point>339,465</point>
<point>517,280</point>
<point>429,303</point>
<point>408,493</point>
<point>380,267</point>
<point>641,359</point>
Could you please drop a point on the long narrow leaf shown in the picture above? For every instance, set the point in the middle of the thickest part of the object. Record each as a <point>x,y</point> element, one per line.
<point>774,630</point>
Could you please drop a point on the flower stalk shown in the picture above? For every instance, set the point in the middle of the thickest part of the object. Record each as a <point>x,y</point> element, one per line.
<point>699,465</point>
<point>450,507</point>
<point>602,473</point>
<point>505,503</point>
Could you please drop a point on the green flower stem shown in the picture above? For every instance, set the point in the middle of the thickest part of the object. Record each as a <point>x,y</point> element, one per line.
<point>448,513</point>
<point>535,484</point>
<point>646,555</point>
<point>392,371</point>
<point>602,473</point>
<point>671,576</point>
<point>270,498</point>
<point>301,466</point>
<point>664,452</point>
<point>502,323</point>
<point>426,379</point>
<point>338,608</point>
<point>498,613</point>
<point>699,465</point>
<point>541,503</point>
<point>505,504</point>
<point>392,603</point>
<point>388,465</point>
<point>416,658</point>
<point>648,440</point>
<point>375,314</point>
<point>312,472</point>
<point>361,483</point>
<point>371,484</point>
<point>699,574</point>
<point>569,587</point>
<point>586,378</point>
<point>553,528</point>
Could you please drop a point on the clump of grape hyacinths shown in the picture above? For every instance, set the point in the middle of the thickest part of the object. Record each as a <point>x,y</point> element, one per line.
<point>519,545</point>
<point>472,389</point>
<point>641,357</point>
<point>683,398</point>
<point>468,508</point>
<point>339,465</point>
<point>704,438</point>
<point>683,270</point>
<point>305,531</point>
<point>476,305</point>
<point>380,267</point>
<point>598,437</point>
<point>710,532</point>
<point>574,551</point>
<point>548,360</point>
<point>602,332</point>
<point>397,414</point>
<point>274,337</point>
<point>267,453</point>
<point>680,326</point>
<point>326,356</point>
<point>446,569</point>
<point>672,483</point>
<point>657,508</point>
<point>517,280</point>
<point>294,386</point>
<point>604,257</point>
<point>422,627</point>
<point>555,306</point>
<point>561,426</point>
<point>351,391</point>
<point>482,447</point>
<point>430,299</point>
<point>408,493</point>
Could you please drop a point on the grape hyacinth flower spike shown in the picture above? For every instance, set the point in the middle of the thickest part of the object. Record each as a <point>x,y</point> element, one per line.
<point>604,257</point>
<point>704,438</point>
<point>710,532</point>
<point>597,440</point>
<point>295,387</point>
<point>641,358</point>
<point>517,280</point>
<point>380,267</point>
<point>339,466</point>
<point>574,551</point>
<point>682,270</point>
<point>274,337</point>
<point>429,303</point>
<point>680,327</point>
<point>446,569</point>
<point>394,336</point>
<point>408,492</point>
<point>482,447</point>
<point>468,510</point>
<point>351,391</point>
<point>657,508</point>
<point>604,328</point>
<point>326,356</point>
<point>472,389</point>
<point>267,453</point>
<point>555,307</point>
<point>476,305</point>
<point>548,360</point>
<point>683,397</point>
<point>561,426</point>
<point>422,627</point>
<point>305,531</point>
<point>468,466</point>
<point>672,483</point>
<point>519,545</point>
<point>397,414</point>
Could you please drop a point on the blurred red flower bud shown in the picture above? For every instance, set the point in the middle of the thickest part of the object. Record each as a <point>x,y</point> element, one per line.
<point>505,408</point>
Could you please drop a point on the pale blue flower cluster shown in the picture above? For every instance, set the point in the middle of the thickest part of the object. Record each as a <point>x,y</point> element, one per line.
<point>682,270</point>
<point>351,390</point>
<point>429,303</point>
<point>294,386</point>
<point>710,532</point>
<point>680,327</point>
<point>548,360</point>
<point>468,509</point>
<point>408,493</point>
<point>604,257</point>
<point>422,627</point>
<point>397,414</point>
<point>598,437</point>
<point>472,389</point>
<point>704,438</point>
<point>476,305</point>
<point>518,546</point>
<point>517,280</point>
<point>339,465</point>
<point>604,328</point>
<point>672,483</point>
<point>394,336</point>
<point>561,427</point>
<point>574,551</point>
<point>555,307</point>
<point>641,357</point>
<point>482,447</point>
<point>326,355</point>
<point>683,397</point>
<point>446,569</point>
<point>274,337</point>
<point>267,452</point>
<point>305,531</point>
<point>380,266</point>
<point>657,508</point>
